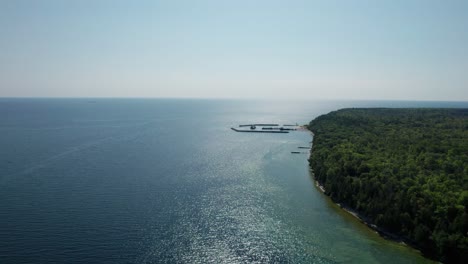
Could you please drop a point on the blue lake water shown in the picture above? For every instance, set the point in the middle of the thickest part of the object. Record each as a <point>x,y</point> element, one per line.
<point>167,181</point>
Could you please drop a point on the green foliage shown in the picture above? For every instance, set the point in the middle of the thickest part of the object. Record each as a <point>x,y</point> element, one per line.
<point>404,169</point>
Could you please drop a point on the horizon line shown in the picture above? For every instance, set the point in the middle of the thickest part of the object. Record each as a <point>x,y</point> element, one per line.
<point>227,98</point>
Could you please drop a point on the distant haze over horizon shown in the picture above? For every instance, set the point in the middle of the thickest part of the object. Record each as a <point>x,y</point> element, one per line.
<point>360,50</point>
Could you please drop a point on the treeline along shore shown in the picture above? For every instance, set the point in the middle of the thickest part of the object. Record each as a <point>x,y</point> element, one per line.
<point>403,170</point>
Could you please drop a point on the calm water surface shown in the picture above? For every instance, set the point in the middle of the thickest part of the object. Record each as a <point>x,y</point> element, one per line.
<point>154,181</point>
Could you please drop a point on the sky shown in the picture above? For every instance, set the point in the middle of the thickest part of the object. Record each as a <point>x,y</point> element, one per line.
<point>385,50</point>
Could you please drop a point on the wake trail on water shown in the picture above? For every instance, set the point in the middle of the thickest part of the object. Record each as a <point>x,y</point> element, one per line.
<point>54,158</point>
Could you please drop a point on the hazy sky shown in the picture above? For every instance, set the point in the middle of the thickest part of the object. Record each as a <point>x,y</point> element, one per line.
<point>238,49</point>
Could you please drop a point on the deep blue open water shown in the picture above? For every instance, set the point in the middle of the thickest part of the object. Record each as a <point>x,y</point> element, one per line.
<point>167,181</point>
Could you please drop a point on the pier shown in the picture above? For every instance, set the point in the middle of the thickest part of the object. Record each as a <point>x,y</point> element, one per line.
<point>278,128</point>
<point>250,125</point>
<point>265,128</point>
<point>259,131</point>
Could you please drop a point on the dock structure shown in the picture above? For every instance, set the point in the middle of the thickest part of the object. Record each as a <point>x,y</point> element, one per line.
<point>259,131</point>
<point>278,128</point>
<point>265,128</point>
<point>250,125</point>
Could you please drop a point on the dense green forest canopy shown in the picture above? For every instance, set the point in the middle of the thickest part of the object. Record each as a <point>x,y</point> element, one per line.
<point>406,170</point>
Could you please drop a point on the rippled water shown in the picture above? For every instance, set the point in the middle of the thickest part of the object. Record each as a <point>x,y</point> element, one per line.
<point>150,181</point>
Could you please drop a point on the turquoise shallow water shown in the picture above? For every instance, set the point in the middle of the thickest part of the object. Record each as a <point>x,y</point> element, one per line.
<point>154,181</point>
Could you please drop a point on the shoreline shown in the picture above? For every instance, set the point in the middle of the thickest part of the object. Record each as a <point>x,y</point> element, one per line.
<point>382,232</point>
<point>374,162</point>
<point>364,220</point>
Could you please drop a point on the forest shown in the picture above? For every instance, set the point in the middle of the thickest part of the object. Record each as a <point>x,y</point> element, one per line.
<point>405,170</point>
